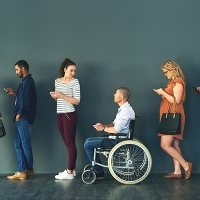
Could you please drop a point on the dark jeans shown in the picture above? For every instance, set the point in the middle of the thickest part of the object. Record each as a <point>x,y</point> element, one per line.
<point>92,143</point>
<point>67,126</point>
<point>22,145</point>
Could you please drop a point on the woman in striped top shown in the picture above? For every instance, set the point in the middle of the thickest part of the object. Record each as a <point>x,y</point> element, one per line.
<point>67,94</point>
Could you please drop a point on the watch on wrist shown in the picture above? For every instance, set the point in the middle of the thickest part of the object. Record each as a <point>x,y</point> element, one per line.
<point>103,128</point>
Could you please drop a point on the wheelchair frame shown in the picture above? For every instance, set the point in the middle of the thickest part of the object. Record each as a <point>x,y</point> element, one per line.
<point>129,161</point>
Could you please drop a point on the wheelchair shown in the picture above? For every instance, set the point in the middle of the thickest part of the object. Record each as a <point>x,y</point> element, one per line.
<point>128,161</point>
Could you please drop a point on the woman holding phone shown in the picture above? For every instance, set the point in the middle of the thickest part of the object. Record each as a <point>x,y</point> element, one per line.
<point>175,91</point>
<point>67,94</point>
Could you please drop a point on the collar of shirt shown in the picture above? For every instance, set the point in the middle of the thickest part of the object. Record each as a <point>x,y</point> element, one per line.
<point>123,106</point>
<point>25,77</point>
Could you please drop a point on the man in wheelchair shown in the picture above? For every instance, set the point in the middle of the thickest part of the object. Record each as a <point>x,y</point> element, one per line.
<point>119,125</point>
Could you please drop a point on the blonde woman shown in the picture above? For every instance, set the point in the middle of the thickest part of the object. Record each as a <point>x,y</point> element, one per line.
<point>175,90</point>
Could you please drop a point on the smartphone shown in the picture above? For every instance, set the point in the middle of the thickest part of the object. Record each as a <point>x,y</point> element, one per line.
<point>5,90</point>
<point>49,90</point>
<point>196,90</point>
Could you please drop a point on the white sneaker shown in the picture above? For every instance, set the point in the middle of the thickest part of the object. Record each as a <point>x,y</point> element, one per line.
<point>61,172</point>
<point>64,175</point>
<point>74,173</point>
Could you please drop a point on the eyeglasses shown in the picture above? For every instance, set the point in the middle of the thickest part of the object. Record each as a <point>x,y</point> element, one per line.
<point>165,72</point>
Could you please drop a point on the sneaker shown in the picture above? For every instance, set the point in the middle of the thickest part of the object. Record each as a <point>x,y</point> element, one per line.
<point>100,175</point>
<point>64,175</point>
<point>61,172</point>
<point>29,173</point>
<point>18,175</point>
<point>74,173</point>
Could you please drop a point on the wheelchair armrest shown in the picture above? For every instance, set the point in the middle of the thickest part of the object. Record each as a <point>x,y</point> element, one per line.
<point>112,134</point>
<point>117,138</point>
<point>118,134</point>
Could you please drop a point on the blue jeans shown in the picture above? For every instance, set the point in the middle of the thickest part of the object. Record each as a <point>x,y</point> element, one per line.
<point>22,145</point>
<point>92,143</point>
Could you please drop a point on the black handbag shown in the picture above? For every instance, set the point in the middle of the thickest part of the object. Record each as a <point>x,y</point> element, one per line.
<point>2,129</point>
<point>170,123</point>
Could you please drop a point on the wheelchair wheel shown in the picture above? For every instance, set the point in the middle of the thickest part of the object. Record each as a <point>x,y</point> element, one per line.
<point>135,139</point>
<point>87,167</point>
<point>88,177</point>
<point>129,162</point>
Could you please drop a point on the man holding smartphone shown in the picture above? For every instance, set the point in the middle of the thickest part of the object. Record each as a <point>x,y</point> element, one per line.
<point>24,116</point>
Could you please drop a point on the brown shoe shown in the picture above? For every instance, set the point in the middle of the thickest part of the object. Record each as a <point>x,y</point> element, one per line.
<point>18,175</point>
<point>189,171</point>
<point>172,175</point>
<point>30,173</point>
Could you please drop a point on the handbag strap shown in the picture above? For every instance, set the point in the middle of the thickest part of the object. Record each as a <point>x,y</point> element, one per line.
<point>170,105</point>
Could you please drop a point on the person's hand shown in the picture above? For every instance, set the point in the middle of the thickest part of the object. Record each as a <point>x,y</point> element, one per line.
<point>198,88</point>
<point>52,95</point>
<point>159,91</point>
<point>9,91</point>
<point>98,126</point>
<point>58,94</point>
<point>17,118</point>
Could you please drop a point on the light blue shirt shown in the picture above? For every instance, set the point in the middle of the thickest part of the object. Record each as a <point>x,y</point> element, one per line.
<point>123,118</point>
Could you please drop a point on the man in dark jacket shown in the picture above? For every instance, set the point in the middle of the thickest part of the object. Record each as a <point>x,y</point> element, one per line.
<point>24,116</point>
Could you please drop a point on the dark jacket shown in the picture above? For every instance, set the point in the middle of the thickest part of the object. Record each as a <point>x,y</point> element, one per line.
<point>25,103</point>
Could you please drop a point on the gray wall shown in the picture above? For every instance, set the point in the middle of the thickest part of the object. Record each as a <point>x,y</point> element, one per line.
<point>114,43</point>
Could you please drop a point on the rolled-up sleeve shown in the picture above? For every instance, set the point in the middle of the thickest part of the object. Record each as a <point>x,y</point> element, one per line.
<point>120,124</point>
<point>76,90</point>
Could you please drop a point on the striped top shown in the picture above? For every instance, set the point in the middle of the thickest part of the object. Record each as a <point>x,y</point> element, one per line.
<point>70,89</point>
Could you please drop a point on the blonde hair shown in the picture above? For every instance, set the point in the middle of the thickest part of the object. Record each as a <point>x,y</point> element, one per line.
<point>177,71</point>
